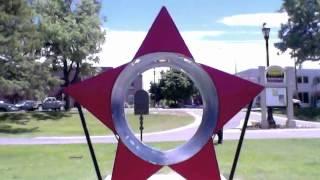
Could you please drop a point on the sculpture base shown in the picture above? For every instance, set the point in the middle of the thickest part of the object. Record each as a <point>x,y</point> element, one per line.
<point>171,176</point>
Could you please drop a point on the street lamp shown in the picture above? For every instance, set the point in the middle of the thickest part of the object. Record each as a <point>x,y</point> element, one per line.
<point>266,33</point>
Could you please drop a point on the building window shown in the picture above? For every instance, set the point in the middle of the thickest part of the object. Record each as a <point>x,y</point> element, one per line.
<point>304,97</point>
<point>305,79</point>
<point>300,96</point>
<point>299,79</point>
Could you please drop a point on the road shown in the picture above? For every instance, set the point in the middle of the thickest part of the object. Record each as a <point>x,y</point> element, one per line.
<point>231,132</point>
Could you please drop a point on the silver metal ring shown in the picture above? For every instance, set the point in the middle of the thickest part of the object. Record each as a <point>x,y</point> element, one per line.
<point>209,117</point>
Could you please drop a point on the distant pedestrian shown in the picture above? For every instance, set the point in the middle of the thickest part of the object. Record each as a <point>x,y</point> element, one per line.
<point>220,136</point>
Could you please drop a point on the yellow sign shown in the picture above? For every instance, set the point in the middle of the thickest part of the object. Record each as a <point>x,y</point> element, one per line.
<point>275,74</point>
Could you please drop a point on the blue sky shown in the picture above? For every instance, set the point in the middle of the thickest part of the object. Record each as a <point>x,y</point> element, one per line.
<point>137,15</point>
<point>223,34</point>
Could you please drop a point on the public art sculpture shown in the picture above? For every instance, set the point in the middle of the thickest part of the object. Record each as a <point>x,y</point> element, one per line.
<point>223,94</point>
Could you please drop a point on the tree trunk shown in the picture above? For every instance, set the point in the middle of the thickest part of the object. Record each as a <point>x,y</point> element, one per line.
<point>67,71</point>
<point>76,77</point>
<point>66,84</point>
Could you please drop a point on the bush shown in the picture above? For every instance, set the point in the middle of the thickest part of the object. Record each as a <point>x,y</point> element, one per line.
<point>309,114</point>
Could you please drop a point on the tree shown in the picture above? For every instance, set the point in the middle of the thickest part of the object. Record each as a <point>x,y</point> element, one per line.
<point>175,87</point>
<point>72,36</point>
<point>21,76</point>
<point>301,34</point>
<point>155,92</point>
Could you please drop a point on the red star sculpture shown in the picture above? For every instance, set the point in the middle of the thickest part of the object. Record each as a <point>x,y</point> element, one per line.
<point>95,95</point>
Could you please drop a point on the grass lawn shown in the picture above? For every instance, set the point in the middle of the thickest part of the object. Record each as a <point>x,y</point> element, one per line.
<point>305,114</point>
<point>308,114</point>
<point>293,159</point>
<point>68,123</point>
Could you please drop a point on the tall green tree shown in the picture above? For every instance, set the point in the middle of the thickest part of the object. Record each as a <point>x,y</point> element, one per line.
<point>155,91</point>
<point>174,86</point>
<point>301,34</point>
<point>21,76</point>
<point>72,36</point>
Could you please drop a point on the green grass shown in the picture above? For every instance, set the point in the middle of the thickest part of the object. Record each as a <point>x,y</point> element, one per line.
<point>292,159</point>
<point>308,114</point>
<point>305,114</point>
<point>68,123</point>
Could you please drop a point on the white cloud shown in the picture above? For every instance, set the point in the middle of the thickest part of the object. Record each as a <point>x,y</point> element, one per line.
<point>272,19</point>
<point>121,46</point>
<point>201,34</point>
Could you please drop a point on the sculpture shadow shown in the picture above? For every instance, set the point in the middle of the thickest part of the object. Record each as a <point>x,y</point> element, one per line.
<point>18,117</point>
<point>18,122</point>
<point>8,129</point>
<point>42,116</point>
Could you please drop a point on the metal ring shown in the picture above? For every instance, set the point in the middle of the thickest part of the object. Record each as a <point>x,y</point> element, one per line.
<point>209,117</point>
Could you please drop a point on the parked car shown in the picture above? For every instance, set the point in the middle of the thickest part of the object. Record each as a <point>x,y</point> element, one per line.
<point>5,107</point>
<point>27,105</point>
<point>51,103</point>
<point>296,103</point>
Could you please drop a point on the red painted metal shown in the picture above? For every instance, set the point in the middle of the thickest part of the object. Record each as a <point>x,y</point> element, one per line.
<point>163,36</point>
<point>95,94</point>
<point>202,166</point>
<point>234,93</point>
<point>128,166</point>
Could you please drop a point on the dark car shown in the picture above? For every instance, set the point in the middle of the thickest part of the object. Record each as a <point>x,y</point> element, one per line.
<point>27,105</point>
<point>5,107</point>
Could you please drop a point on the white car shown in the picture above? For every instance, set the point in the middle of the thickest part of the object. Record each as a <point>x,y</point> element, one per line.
<point>51,103</point>
<point>296,103</point>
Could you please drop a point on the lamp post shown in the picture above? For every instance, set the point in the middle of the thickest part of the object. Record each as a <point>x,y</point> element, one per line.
<point>266,33</point>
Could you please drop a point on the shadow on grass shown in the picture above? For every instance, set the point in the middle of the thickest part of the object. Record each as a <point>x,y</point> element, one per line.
<point>24,117</point>
<point>20,122</point>
<point>13,116</point>
<point>7,129</point>
<point>50,115</point>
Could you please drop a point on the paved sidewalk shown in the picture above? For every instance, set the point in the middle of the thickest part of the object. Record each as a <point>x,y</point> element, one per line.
<point>231,132</point>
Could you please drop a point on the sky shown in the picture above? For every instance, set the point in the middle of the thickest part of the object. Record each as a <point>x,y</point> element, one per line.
<point>224,34</point>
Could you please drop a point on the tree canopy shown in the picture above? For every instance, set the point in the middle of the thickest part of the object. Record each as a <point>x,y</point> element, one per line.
<point>156,92</point>
<point>21,76</point>
<point>72,35</point>
<point>301,34</point>
<point>174,86</point>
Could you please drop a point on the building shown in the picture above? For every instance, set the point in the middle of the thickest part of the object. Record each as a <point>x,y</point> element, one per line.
<point>133,88</point>
<point>307,84</point>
